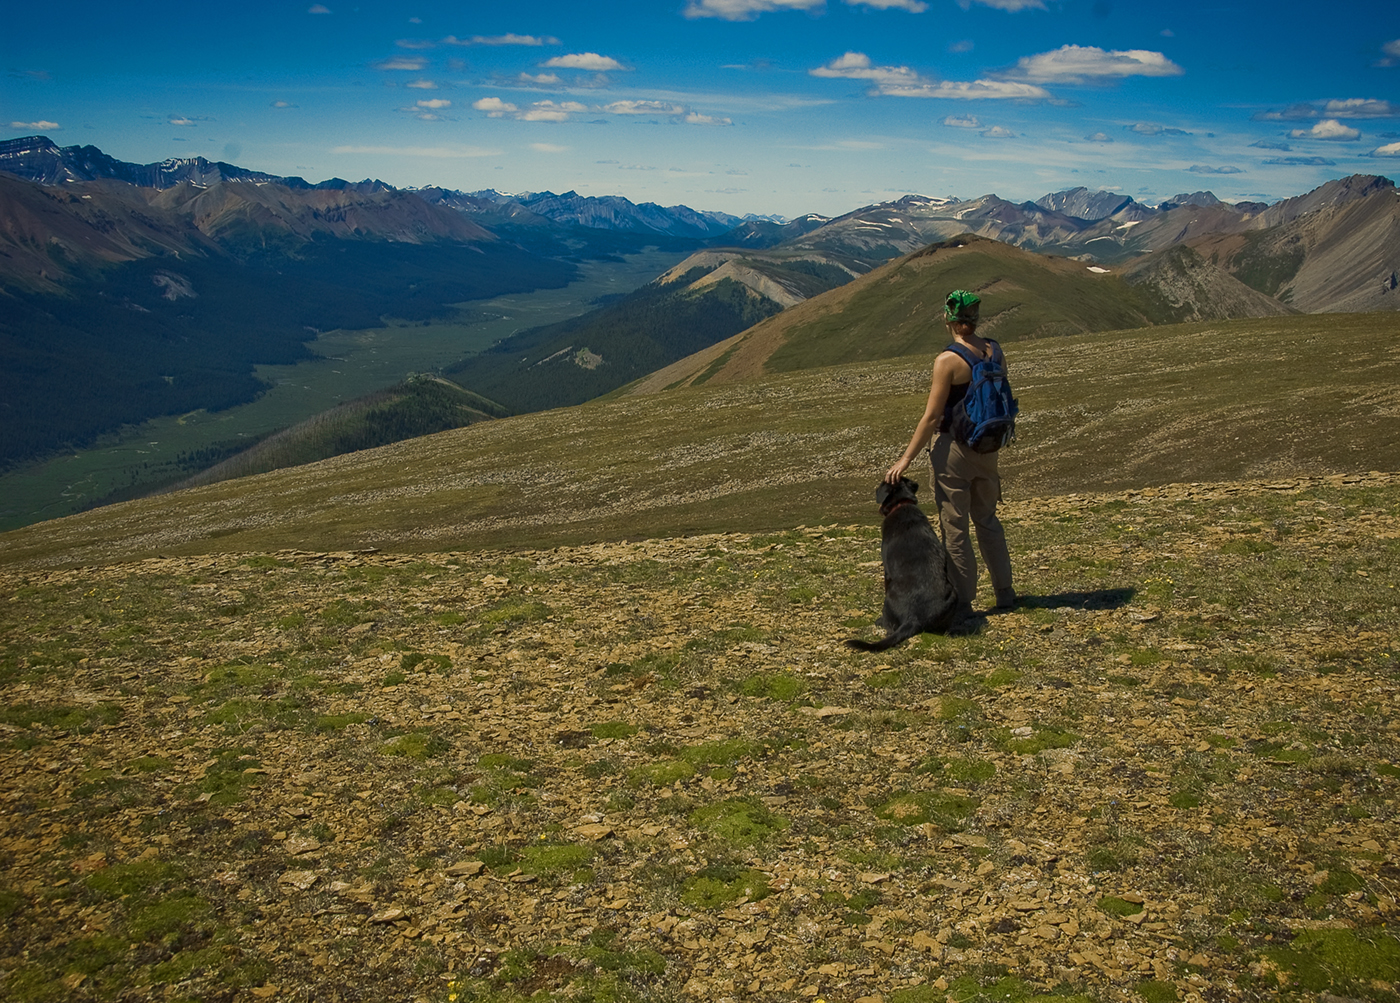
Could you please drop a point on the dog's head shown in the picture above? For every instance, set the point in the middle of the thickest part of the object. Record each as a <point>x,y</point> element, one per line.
<point>888,496</point>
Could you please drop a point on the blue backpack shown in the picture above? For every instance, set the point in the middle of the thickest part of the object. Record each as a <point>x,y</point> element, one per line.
<point>985,419</point>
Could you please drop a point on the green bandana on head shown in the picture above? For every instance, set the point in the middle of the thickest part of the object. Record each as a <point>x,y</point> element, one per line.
<point>962,305</point>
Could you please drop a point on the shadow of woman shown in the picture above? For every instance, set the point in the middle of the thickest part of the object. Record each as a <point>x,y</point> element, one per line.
<point>1097,599</point>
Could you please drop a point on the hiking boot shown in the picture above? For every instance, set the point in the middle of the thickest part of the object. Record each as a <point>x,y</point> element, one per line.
<point>1006,601</point>
<point>966,621</point>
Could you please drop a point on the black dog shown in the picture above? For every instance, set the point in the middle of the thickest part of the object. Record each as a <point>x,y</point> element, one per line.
<point>919,593</point>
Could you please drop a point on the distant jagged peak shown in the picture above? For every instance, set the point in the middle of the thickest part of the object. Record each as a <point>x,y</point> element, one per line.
<point>1202,199</point>
<point>922,201</point>
<point>1085,203</point>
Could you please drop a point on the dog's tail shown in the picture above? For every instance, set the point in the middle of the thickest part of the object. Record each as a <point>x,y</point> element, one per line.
<point>940,623</point>
<point>905,631</point>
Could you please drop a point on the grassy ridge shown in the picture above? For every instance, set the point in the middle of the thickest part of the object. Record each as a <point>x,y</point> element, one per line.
<point>1024,296</point>
<point>421,405</point>
<point>578,359</point>
<point>1105,411</point>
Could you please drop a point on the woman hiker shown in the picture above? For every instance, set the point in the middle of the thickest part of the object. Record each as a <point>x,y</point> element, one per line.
<point>966,484</point>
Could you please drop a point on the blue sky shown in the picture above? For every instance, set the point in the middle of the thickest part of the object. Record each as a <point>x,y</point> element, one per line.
<point>763,106</point>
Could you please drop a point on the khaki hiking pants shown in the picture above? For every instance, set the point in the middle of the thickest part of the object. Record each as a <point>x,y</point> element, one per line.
<point>967,488</point>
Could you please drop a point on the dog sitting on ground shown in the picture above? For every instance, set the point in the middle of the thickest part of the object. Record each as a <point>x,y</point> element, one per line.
<point>919,593</point>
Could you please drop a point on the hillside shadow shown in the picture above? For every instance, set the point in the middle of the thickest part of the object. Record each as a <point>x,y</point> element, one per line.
<point>1097,599</point>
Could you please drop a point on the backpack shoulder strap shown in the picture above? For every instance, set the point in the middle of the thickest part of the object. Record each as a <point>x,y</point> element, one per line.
<point>963,354</point>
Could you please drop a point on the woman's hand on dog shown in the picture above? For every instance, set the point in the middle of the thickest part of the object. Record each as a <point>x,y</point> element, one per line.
<point>895,472</point>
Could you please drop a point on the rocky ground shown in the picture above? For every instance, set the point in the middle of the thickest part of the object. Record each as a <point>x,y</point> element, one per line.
<point>652,771</point>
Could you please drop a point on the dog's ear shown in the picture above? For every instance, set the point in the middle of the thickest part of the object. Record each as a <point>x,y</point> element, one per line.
<point>913,486</point>
<point>883,492</point>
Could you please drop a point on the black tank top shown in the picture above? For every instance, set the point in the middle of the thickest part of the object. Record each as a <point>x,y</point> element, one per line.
<point>955,394</point>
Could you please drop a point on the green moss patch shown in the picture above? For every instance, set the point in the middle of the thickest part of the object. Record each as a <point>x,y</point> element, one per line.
<point>946,810</point>
<point>613,729</point>
<point>1042,737</point>
<point>738,821</point>
<point>773,685</point>
<point>663,773</point>
<point>717,886</point>
<point>416,745</point>
<point>1115,906</point>
<point>1347,962</point>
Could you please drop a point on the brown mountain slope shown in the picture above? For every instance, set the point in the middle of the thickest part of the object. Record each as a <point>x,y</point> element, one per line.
<point>1184,286</point>
<point>1334,258</point>
<point>234,207</point>
<point>46,233</point>
<point>896,310</point>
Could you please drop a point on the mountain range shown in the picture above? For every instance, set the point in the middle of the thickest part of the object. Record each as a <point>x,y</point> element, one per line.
<point>138,290</point>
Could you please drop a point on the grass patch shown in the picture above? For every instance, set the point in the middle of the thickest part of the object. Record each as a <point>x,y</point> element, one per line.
<point>717,886</point>
<point>773,685</point>
<point>663,773</point>
<point>1349,963</point>
<point>416,745</point>
<point>946,810</point>
<point>613,729</point>
<point>738,821</point>
<point>59,717</point>
<point>1042,737</point>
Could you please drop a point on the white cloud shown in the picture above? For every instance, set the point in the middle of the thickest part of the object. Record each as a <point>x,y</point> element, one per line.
<point>1328,128</point>
<point>1389,150</point>
<point>901,81</point>
<point>1007,5</point>
<point>435,103</point>
<point>746,10</point>
<point>583,61</point>
<point>181,120</point>
<point>507,39</point>
<point>551,111</point>
<point>1153,129</point>
<point>1392,53</point>
<point>539,79</point>
<point>1099,137</point>
<point>912,6</point>
<point>1299,162</point>
<point>970,90</point>
<point>858,66</point>
<point>283,104</point>
<point>1348,108</point>
<point>643,108</point>
<point>41,124</point>
<point>424,85</point>
<point>695,118</point>
<point>1203,169</point>
<point>318,8</point>
<point>411,63</point>
<point>548,148</point>
<point>1360,108</point>
<point>1077,63</point>
<point>494,107</point>
<point>998,132</point>
<point>962,122</point>
<point>436,152</point>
